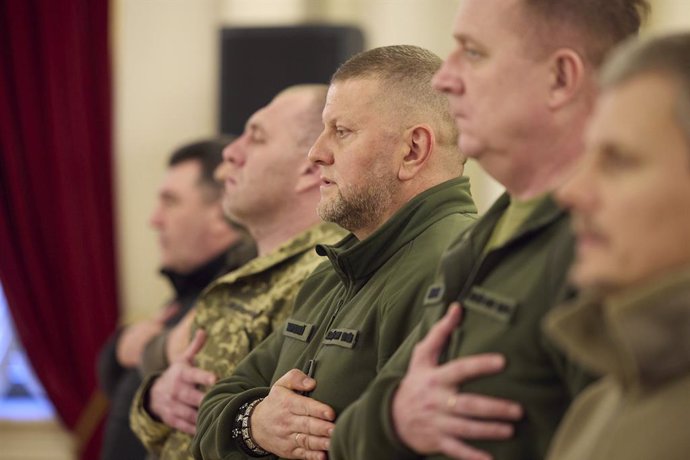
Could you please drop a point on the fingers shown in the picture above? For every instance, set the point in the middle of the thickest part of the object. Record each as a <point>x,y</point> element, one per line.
<point>313,455</point>
<point>195,376</point>
<point>310,447</point>
<point>484,407</point>
<point>296,380</point>
<point>167,312</point>
<point>427,351</point>
<point>289,425</point>
<point>461,427</point>
<point>185,426</point>
<point>454,448</point>
<point>466,368</point>
<point>313,426</point>
<point>175,396</point>
<point>195,345</point>
<point>183,418</point>
<point>188,395</point>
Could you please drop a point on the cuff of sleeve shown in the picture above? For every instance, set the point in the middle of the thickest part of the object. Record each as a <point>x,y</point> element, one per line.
<point>402,451</point>
<point>148,428</point>
<point>154,358</point>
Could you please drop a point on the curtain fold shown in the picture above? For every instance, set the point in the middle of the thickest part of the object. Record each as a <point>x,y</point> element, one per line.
<point>57,255</point>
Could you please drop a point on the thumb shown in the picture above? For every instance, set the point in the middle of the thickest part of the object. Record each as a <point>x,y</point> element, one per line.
<point>194,346</point>
<point>429,349</point>
<point>296,380</point>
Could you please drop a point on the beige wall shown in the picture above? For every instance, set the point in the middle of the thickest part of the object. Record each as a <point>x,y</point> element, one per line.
<point>165,79</point>
<point>165,70</point>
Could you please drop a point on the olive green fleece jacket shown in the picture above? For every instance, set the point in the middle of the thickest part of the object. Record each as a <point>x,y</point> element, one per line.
<point>505,293</point>
<point>351,315</point>
<point>641,341</point>
<point>238,311</point>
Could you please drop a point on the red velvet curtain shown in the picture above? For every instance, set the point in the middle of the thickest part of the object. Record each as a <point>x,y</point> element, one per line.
<point>57,262</point>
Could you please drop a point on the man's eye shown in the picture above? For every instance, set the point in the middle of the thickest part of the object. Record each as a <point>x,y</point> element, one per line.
<point>613,160</point>
<point>169,201</point>
<point>340,132</point>
<point>472,53</point>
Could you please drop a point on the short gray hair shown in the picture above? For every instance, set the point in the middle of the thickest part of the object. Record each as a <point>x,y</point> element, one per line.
<point>407,70</point>
<point>667,55</point>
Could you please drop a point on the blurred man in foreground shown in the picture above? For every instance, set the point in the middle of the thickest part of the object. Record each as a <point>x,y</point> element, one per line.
<point>630,201</point>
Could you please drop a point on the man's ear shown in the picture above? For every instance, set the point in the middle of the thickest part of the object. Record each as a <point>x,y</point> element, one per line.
<point>419,143</point>
<point>567,74</point>
<point>309,177</point>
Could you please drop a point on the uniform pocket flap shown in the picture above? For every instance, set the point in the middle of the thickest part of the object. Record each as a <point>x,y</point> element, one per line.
<point>298,330</point>
<point>483,301</point>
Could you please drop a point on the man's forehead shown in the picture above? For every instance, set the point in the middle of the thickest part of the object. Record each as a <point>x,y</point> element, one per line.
<point>634,112</point>
<point>189,168</point>
<point>474,18</point>
<point>284,106</point>
<point>343,93</point>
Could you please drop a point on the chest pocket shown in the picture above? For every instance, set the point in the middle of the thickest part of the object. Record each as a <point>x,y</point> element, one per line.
<point>346,338</point>
<point>298,330</point>
<point>485,302</point>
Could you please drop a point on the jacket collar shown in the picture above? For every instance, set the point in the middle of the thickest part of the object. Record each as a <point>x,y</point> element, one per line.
<point>641,337</point>
<point>297,246</point>
<point>473,269</point>
<point>355,260</point>
<point>187,283</point>
<point>543,215</point>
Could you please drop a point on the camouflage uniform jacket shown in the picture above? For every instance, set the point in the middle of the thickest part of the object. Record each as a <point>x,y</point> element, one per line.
<point>238,311</point>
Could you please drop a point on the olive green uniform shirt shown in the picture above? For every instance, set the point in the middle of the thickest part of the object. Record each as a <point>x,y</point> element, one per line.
<point>505,292</point>
<point>238,311</point>
<point>353,313</point>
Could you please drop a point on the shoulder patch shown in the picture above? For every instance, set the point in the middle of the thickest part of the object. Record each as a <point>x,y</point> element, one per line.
<point>487,302</point>
<point>434,293</point>
<point>297,330</point>
<point>346,338</point>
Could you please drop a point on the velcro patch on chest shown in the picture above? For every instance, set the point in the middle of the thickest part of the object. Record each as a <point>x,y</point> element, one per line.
<point>495,305</point>
<point>298,330</point>
<point>434,293</point>
<point>346,338</point>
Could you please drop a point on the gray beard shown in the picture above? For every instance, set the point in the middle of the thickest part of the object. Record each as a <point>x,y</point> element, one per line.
<point>362,209</point>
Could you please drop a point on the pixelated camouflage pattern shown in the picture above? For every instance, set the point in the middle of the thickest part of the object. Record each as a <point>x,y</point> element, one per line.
<point>238,311</point>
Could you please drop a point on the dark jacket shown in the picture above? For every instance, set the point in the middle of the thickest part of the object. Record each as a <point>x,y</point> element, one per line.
<point>353,312</point>
<point>505,293</point>
<point>120,383</point>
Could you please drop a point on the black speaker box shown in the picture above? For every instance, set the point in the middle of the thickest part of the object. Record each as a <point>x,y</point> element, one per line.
<point>258,62</point>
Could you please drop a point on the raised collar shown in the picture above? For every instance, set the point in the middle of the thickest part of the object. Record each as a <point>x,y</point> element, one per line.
<point>189,283</point>
<point>355,260</point>
<point>305,241</point>
<point>546,212</point>
<point>641,337</point>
